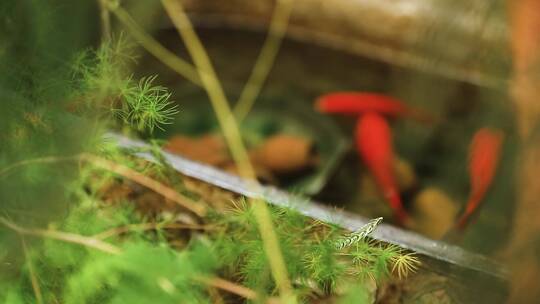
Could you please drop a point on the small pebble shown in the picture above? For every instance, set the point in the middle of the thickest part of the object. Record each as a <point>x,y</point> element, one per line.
<point>433,212</point>
<point>284,154</point>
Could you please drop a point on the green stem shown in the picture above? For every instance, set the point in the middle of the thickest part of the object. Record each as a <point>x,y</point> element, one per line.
<point>265,60</point>
<point>63,236</point>
<point>228,124</point>
<point>32,273</point>
<point>167,57</point>
<point>105,21</point>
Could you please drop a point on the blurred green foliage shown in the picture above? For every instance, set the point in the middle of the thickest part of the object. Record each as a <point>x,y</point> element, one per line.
<point>39,38</point>
<point>57,98</point>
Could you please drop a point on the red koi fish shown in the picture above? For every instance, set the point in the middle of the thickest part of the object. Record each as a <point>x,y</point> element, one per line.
<point>374,144</point>
<point>356,103</point>
<point>484,154</point>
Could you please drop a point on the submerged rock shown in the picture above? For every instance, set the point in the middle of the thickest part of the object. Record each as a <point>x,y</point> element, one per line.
<point>434,212</point>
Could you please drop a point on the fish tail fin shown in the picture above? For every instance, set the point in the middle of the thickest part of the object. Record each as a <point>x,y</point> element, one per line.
<point>470,208</point>
<point>397,206</point>
<point>462,222</point>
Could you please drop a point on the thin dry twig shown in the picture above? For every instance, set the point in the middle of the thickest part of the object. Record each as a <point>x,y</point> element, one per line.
<point>31,271</point>
<point>155,48</point>
<point>39,160</point>
<point>147,226</point>
<point>230,287</point>
<point>237,289</point>
<point>63,236</point>
<point>124,171</point>
<point>146,181</point>
<point>265,60</point>
<point>215,296</point>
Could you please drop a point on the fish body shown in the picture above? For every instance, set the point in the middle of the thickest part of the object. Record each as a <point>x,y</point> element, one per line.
<point>374,144</point>
<point>358,103</point>
<point>484,154</point>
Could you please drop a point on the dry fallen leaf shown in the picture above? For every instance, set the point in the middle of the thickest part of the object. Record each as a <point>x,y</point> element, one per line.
<point>434,212</point>
<point>209,149</point>
<point>283,154</point>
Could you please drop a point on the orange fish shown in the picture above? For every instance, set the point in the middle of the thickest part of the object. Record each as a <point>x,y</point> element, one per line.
<point>374,144</point>
<point>357,103</point>
<point>484,154</point>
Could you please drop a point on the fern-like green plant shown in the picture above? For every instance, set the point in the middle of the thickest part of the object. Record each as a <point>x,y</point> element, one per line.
<point>145,267</point>
<point>147,106</point>
<point>143,273</point>
<point>104,85</point>
<point>309,248</point>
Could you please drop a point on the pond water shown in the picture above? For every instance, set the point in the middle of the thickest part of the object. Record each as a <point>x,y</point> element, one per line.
<point>437,153</point>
